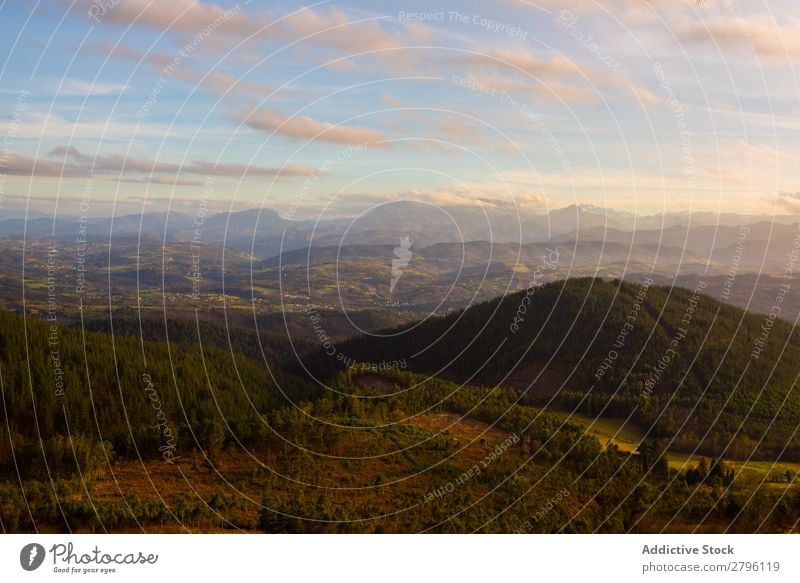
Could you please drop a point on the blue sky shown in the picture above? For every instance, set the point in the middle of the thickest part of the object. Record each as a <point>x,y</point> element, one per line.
<point>639,106</point>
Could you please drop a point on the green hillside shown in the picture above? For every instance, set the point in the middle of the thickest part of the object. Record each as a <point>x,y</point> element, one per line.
<point>125,435</point>
<point>708,377</point>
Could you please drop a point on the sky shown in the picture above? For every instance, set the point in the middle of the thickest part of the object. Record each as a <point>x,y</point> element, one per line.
<point>329,108</point>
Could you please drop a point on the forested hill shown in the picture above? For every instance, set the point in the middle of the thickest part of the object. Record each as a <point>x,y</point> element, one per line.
<point>75,390</point>
<point>88,421</point>
<point>704,374</point>
<point>276,349</point>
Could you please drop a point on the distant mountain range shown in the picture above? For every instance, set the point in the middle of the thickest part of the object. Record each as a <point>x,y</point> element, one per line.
<point>458,255</point>
<point>264,233</point>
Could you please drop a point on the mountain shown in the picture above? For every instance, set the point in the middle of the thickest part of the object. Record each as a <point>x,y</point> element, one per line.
<point>706,376</point>
<point>265,233</point>
<point>156,225</point>
<point>246,220</point>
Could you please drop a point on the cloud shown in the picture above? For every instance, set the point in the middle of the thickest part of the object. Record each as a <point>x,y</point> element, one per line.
<point>215,25</point>
<point>219,82</point>
<point>558,78</point>
<point>645,96</point>
<point>392,101</point>
<point>235,170</point>
<point>224,84</point>
<point>78,88</point>
<point>759,31</point>
<point>26,166</point>
<point>551,89</point>
<point>336,30</point>
<point>521,61</point>
<point>170,181</point>
<point>426,127</point>
<point>731,175</point>
<point>788,200</point>
<point>740,166</point>
<point>38,126</point>
<point>68,162</point>
<point>766,154</point>
<point>70,152</point>
<point>581,5</point>
<point>186,16</point>
<point>306,128</point>
<point>378,40</point>
<point>733,26</point>
<point>620,8</point>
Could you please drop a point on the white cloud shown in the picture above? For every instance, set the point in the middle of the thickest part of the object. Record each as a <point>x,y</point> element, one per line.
<point>79,88</point>
<point>789,201</point>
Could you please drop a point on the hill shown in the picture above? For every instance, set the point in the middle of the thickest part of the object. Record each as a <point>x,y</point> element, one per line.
<point>709,377</point>
<point>130,433</point>
<point>66,388</point>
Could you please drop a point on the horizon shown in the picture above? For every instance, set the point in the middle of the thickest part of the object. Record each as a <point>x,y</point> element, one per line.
<point>310,214</point>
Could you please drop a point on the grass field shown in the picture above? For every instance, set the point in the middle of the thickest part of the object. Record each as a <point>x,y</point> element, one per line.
<point>773,473</point>
<point>606,430</point>
<point>627,437</point>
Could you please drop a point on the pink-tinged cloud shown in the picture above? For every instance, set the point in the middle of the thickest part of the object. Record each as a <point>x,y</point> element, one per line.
<point>335,29</point>
<point>166,180</point>
<point>586,6</point>
<point>188,16</point>
<point>520,73</point>
<point>216,25</point>
<point>68,162</point>
<point>235,170</point>
<point>645,96</point>
<point>217,81</point>
<point>789,200</point>
<point>306,128</point>
<point>520,61</point>
<point>224,84</point>
<point>27,166</point>
<point>760,33</point>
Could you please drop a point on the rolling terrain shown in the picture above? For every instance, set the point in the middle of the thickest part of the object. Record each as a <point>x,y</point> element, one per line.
<point>138,434</point>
